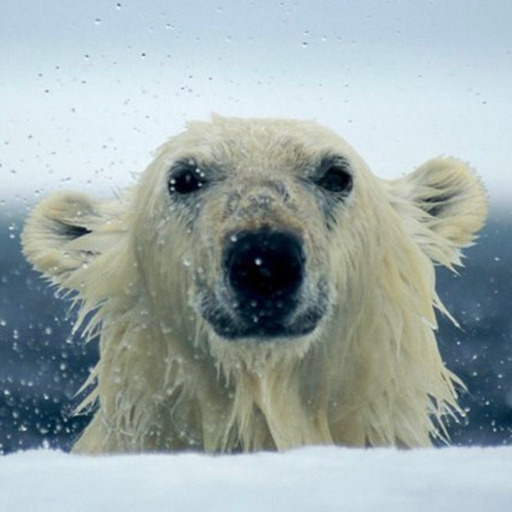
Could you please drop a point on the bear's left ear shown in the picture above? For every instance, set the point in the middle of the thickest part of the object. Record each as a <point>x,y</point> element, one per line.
<point>445,205</point>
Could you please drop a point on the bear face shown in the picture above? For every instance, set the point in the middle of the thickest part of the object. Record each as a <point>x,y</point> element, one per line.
<point>261,288</point>
<point>247,207</point>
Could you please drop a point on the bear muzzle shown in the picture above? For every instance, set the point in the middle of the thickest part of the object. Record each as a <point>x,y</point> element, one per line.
<point>264,273</point>
<point>265,270</point>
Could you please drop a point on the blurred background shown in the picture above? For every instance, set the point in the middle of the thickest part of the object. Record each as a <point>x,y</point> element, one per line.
<point>89,89</point>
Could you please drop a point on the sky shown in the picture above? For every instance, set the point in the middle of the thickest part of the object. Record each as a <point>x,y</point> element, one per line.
<point>88,90</point>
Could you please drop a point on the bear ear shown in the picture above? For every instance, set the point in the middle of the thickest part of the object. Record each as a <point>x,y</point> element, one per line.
<point>61,234</point>
<point>448,204</point>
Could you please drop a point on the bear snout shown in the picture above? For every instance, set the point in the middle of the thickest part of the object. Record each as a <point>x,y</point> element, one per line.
<point>265,292</point>
<point>262,295</point>
<point>265,270</point>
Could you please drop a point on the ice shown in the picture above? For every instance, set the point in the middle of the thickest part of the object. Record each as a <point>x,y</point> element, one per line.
<point>318,479</point>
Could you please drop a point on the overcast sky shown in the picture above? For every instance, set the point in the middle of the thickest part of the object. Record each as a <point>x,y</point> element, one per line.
<point>89,89</point>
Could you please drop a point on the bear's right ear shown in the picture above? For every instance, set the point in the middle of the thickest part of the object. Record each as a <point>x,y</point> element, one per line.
<point>61,234</point>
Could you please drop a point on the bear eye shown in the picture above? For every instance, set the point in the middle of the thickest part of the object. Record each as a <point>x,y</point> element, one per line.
<point>336,178</point>
<point>186,178</point>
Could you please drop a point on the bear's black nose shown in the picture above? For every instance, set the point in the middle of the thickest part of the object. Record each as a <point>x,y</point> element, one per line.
<point>265,269</point>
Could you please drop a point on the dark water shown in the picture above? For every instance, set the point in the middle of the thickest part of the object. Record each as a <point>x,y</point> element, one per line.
<point>41,368</point>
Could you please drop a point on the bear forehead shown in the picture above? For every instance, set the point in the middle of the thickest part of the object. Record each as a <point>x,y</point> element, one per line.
<point>225,140</point>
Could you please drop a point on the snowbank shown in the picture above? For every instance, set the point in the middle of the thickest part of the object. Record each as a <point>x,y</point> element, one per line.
<point>312,479</point>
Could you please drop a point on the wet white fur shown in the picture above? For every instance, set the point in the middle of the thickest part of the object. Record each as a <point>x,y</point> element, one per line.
<point>370,373</point>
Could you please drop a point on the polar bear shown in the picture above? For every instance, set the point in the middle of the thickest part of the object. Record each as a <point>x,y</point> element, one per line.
<point>260,289</point>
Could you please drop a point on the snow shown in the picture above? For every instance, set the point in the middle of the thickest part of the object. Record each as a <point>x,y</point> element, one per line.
<point>309,479</point>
